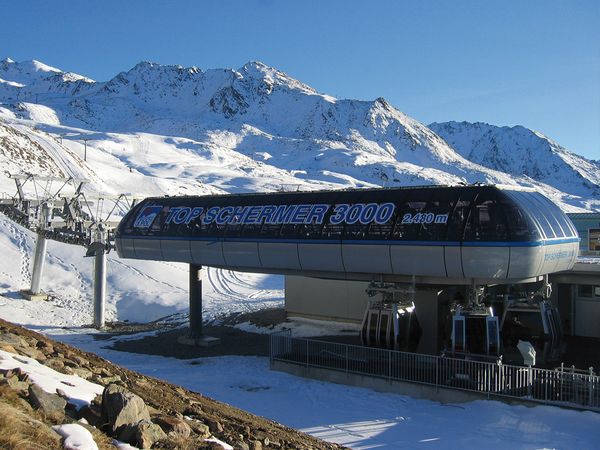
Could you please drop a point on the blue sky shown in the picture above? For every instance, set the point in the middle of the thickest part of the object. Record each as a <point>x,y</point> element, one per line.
<point>534,63</point>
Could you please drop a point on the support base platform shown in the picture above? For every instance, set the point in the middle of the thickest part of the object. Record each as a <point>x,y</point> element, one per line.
<point>201,341</point>
<point>27,294</point>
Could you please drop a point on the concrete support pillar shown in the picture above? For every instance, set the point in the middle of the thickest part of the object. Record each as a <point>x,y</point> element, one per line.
<point>39,259</point>
<point>99,287</point>
<point>195,301</point>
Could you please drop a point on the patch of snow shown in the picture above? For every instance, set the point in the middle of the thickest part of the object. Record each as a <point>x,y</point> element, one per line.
<point>219,442</point>
<point>76,437</point>
<point>80,392</point>
<point>302,327</point>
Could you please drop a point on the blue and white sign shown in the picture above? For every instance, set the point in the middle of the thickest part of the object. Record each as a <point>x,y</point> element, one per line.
<point>295,214</point>
<point>146,216</point>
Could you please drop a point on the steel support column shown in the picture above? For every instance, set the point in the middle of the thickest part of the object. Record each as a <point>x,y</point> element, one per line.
<point>39,259</point>
<point>195,335</point>
<point>99,287</point>
<point>195,301</point>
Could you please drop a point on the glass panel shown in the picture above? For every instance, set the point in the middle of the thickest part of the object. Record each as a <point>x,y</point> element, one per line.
<point>538,212</point>
<point>521,227</point>
<point>425,214</point>
<point>458,333</point>
<point>476,340</point>
<point>372,327</point>
<point>524,324</point>
<point>566,224</point>
<point>524,202</point>
<point>459,215</point>
<point>383,329</point>
<point>487,221</point>
<point>584,290</point>
<point>493,335</point>
<point>594,239</point>
<point>550,212</point>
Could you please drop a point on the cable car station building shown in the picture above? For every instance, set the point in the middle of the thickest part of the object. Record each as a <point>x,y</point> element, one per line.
<point>400,261</point>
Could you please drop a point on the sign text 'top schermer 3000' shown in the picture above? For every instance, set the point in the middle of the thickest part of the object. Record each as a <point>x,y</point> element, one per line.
<point>295,214</point>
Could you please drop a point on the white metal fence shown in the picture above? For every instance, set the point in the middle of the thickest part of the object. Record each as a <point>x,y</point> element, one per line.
<point>562,386</point>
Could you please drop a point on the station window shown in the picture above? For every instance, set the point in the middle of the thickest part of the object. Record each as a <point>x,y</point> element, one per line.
<point>520,226</point>
<point>525,221</point>
<point>487,221</point>
<point>458,218</point>
<point>527,199</point>
<point>251,230</point>
<point>426,216</point>
<point>585,290</point>
<point>550,212</point>
<point>594,239</point>
<point>159,226</point>
<point>270,230</point>
<point>356,231</point>
<point>381,231</point>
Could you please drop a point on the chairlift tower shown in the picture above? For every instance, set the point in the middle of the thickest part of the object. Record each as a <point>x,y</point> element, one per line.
<point>68,218</point>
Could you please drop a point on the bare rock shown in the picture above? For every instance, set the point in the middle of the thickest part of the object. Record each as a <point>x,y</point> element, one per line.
<point>199,428</point>
<point>45,347</point>
<point>7,348</point>
<point>22,375</point>
<point>256,445</point>
<point>122,408</point>
<point>214,425</point>
<point>142,434</point>
<point>13,340</point>
<point>148,433</point>
<point>70,363</point>
<point>92,414</point>
<point>31,341</point>
<point>8,373</point>
<point>67,370</point>
<point>22,387</point>
<point>54,363</point>
<point>82,373</point>
<point>51,404</point>
<point>82,362</point>
<point>33,353</point>
<point>241,445</point>
<point>110,380</point>
<point>173,426</point>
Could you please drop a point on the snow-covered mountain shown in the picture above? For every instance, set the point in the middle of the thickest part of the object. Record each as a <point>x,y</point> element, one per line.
<point>520,151</point>
<point>186,130</point>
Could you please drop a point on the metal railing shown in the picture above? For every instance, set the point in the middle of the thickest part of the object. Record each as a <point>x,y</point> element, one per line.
<point>562,386</point>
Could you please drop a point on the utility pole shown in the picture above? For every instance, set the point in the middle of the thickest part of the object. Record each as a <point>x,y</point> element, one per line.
<point>85,149</point>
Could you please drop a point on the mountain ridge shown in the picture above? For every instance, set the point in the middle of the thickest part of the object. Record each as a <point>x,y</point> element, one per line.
<point>258,109</point>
